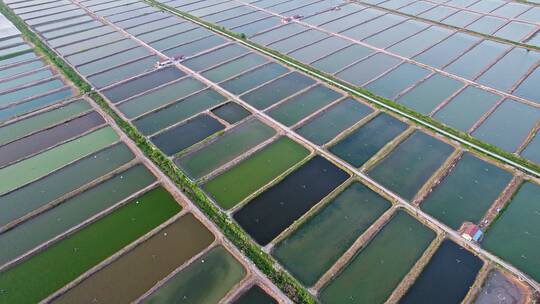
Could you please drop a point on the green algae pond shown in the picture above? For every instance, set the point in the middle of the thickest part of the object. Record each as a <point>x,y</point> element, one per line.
<point>71,212</point>
<point>467,192</point>
<point>372,275</point>
<point>128,277</point>
<point>341,221</point>
<point>407,168</point>
<point>447,277</point>
<point>225,148</point>
<point>42,164</point>
<point>255,295</point>
<point>237,183</point>
<point>514,236</point>
<point>61,182</point>
<point>205,280</point>
<point>85,248</point>
<point>268,214</point>
<point>361,144</point>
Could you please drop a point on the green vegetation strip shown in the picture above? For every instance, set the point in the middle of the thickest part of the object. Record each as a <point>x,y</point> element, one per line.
<point>232,231</point>
<point>51,269</point>
<point>465,139</point>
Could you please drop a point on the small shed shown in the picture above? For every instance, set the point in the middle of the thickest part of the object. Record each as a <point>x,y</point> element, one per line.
<point>471,232</point>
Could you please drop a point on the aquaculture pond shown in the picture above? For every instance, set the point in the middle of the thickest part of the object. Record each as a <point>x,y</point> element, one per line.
<point>527,88</point>
<point>225,148</point>
<point>278,89</point>
<point>183,136</point>
<point>319,49</point>
<point>234,67</point>
<point>72,212</point>
<point>178,111</point>
<point>142,83</point>
<point>130,276</point>
<point>267,215</point>
<point>342,58</point>
<point>25,171</point>
<point>447,277</point>
<point>294,42</point>
<point>499,286</point>
<point>21,68</point>
<point>122,72</point>
<point>341,221</point>
<point>509,69</point>
<point>195,47</point>
<point>467,192</point>
<point>55,185</point>
<point>231,112</point>
<point>35,103</point>
<point>13,97</point>
<point>40,121</point>
<point>253,78</point>
<point>165,95</point>
<point>532,151</point>
<point>427,95</point>
<point>300,106</point>
<point>99,52</point>
<point>397,80</point>
<point>478,58</point>
<point>102,64</point>
<point>18,81</point>
<point>514,235</point>
<point>508,125</point>
<point>255,295</point>
<point>361,144</point>
<point>205,280</point>
<point>87,247</point>
<point>32,144</point>
<point>237,183</point>
<point>476,101</point>
<point>210,59</point>
<point>367,69</point>
<point>407,168</point>
<point>327,125</point>
<point>374,272</point>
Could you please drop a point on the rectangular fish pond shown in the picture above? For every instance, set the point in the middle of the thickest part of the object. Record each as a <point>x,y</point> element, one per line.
<point>337,225</point>
<point>87,247</point>
<point>374,272</point>
<point>268,214</point>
